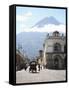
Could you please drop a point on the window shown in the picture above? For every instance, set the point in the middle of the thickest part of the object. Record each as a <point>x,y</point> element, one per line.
<point>57,47</point>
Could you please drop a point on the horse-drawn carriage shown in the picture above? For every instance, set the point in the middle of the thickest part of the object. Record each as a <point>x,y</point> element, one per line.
<point>33,66</point>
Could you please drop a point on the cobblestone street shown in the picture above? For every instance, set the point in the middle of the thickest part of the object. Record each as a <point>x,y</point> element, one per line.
<point>44,75</point>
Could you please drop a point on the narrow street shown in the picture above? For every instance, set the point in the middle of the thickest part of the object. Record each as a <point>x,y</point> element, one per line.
<point>44,75</point>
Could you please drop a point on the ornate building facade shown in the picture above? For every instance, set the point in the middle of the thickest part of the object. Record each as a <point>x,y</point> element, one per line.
<point>54,53</point>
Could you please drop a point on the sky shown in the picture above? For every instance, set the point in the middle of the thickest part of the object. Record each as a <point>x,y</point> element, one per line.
<point>26,17</point>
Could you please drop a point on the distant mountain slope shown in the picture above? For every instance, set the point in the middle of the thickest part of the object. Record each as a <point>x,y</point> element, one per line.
<point>31,42</point>
<point>47,20</point>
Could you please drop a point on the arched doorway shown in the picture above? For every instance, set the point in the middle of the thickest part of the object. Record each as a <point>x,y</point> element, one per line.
<point>58,62</point>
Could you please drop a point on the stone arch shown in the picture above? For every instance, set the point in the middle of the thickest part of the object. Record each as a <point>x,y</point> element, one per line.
<point>58,62</point>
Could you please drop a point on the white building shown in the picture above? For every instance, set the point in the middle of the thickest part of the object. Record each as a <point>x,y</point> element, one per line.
<point>54,51</point>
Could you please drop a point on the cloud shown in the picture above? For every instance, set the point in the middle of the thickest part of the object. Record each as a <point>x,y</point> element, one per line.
<point>24,17</point>
<point>47,28</point>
